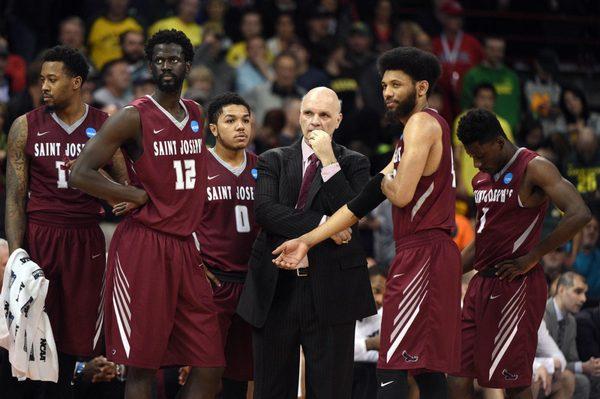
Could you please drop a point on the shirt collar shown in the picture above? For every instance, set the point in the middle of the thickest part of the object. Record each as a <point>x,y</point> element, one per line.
<point>306,151</point>
<point>559,315</point>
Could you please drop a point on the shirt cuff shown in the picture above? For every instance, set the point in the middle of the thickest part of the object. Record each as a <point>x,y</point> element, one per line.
<point>323,220</point>
<point>578,367</point>
<point>328,171</point>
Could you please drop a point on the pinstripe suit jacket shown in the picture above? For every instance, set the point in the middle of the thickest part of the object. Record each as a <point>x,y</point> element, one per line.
<point>338,273</point>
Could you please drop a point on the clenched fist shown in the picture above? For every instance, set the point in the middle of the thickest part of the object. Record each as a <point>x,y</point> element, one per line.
<point>320,141</point>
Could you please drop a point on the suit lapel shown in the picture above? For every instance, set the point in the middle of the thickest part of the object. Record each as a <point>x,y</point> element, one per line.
<point>294,171</point>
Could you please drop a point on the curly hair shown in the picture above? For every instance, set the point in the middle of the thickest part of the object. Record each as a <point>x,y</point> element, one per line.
<point>418,64</point>
<point>215,108</point>
<point>170,36</point>
<point>479,125</point>
<point>74,62</point>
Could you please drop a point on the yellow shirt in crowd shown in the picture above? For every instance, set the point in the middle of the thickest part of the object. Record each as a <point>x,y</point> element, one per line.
<point>192,30</point>
<point>467,169</point>
<point>104,39</point>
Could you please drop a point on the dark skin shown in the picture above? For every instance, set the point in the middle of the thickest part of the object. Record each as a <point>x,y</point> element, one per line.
<point>169,68</point>
<point>542,181</point>
<point>61,91</point>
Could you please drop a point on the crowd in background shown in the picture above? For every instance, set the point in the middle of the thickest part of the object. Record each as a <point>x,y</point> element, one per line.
<point>272,52</point>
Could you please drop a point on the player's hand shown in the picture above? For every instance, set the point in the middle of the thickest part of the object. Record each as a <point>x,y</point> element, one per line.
<point>513,268</point>
<point>320,142</point>
<point>343,237</point>
<point>212,277</point>
<point>99,369</point>
<point>183,374</point>
<point>591,367</point>
<point>68,163</point>
<point>290,253</point>
<point>123,208</point>
<point>386,185</point>
<point>542,375</point>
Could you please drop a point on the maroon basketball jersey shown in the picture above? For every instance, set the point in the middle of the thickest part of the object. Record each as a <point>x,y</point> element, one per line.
<point>505,229</point>
<point>50,143</point>
<point>228,230</point>
<point>432,206</point>
<point>171,168</point>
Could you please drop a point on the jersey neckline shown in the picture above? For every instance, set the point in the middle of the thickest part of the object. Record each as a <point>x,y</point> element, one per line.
<point>178,124</point>
<point>70,128</point>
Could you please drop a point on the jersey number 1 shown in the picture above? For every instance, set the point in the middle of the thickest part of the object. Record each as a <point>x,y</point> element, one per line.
<point>186,167</point>
<point>62,175</point>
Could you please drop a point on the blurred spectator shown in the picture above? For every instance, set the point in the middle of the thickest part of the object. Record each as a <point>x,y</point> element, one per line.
<point>272,95</point>
<point>291,131</point>
<point>583,165</point>
<point>366,342</point>
<point>211,54</point>
<point>27,99</point>
<point>560,310</point>
<point>184,20</point>
<point>532,133</point>
<point>588,333</point>
<point>72,33</point>
<point>104,35</point>
<point>5,90</point>
<point>542,92</point>
<point>383,25</point>
<point>200,85</point>
<point>267,130</point>
<point>458,52</point>
<point>384,246</point>
<point>587,262</point>
<point>554,264</point>
<point>117,85</point>
<point>320,41</point>
<point>464,233</point>
<point>285,35</point>
<point>255,69</point>
<point>309,76</point>
<point>358,45</point>
<point>506,82</point>
<point>250,27</point>
<point>215,16</point>
<point>132,45</point>
<point>576,113</point>
<point>143,86</point>
<point>484,97</point>
<point>549,369</point>
<point>410,34</point>
<point>12,67</point>
<point>3,256</point>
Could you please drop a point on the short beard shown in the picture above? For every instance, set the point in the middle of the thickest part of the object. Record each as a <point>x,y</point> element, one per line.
<point>169,88</point>
<point>403,109</point>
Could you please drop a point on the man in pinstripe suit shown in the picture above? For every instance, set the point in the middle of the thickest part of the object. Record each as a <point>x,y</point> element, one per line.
<point>316,306</point>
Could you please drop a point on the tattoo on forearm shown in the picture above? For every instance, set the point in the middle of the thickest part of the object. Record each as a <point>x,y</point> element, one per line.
<point>17,179</point>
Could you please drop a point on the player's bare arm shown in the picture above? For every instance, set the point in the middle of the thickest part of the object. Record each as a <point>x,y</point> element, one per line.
<point>121,129</point>
<point>17,180</point>
<point>421,157</point>
<point>543,179</point>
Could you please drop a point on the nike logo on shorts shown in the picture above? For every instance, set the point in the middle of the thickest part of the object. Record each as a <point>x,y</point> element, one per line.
<point>398,275</point>
<point>158,131</point>
<point>213,177</point>
<point>494,296</point>
<point>383,384</point>
<point>96,256</point>
<point>42,133</point>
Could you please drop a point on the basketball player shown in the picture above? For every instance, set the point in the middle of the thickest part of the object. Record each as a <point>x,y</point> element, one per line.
<point>506,299</point>
<point>228,230</point>
<point>56,223</point>
<point>420,328</point>
<point>159,309</point>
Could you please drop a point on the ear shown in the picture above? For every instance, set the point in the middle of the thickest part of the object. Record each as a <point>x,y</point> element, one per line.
<point>213,129</point>
<point>77,82</point>
<point>339,118</point>
<point>188,67</point>
<point>422,88</point>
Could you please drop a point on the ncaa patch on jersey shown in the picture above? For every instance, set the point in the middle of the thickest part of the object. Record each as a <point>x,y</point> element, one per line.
<point>508,178</point>
<point>195,126</point>
<point>90,132</point>
<point>254,173</point>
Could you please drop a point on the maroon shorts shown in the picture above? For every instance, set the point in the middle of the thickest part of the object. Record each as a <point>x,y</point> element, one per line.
<point>73,258</point>
<point>235,332</point>
<point>500,320</point>
<point>420,328</point>
<point>159,308</point>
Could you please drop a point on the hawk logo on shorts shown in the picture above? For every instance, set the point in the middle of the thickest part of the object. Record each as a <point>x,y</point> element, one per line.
<point>409,358</point>
<point>509,376</point>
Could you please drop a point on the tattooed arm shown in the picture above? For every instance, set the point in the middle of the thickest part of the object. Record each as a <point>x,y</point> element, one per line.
<point>17,180</point>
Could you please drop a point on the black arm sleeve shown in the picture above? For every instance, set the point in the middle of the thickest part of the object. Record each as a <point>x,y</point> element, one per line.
<point>369,198</point>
